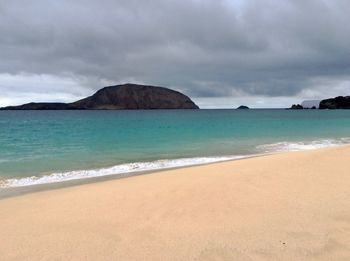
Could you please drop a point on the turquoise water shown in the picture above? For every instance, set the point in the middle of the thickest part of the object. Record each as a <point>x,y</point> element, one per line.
<point>40,143</point>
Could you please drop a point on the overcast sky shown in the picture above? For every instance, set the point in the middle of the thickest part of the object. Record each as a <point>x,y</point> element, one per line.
<point>222,53</point>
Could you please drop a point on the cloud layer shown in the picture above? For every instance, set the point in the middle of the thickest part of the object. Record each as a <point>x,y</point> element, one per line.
<point>206,48</point>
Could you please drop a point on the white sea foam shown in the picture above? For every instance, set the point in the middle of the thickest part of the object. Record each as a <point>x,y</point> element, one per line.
<point>114,170</point>
<point>165,164</point>
<point>4,160</point>
<point>306,145</point>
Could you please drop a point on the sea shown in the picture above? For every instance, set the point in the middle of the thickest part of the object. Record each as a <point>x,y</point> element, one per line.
<point>39,147</point>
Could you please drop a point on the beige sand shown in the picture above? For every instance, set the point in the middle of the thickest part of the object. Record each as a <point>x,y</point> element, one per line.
<point>292,206</point>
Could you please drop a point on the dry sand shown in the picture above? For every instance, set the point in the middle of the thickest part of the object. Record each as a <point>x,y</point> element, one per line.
<point>291,206</point>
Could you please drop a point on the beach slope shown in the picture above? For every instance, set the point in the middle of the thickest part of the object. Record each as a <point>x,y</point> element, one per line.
<point>290,206</point>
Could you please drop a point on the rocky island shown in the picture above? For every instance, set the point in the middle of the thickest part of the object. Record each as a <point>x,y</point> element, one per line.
<point>120,97</point>
<point>296,107</point>
<point>340,102</point>
<point>243,107</point>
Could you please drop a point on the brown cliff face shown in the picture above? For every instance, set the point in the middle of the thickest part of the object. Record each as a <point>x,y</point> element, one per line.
<point>119,97</point>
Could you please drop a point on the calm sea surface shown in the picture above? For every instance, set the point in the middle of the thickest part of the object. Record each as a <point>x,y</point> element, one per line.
<point>49,146</point>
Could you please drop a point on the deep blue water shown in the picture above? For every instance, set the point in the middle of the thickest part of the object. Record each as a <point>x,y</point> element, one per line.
<point>37,143</point>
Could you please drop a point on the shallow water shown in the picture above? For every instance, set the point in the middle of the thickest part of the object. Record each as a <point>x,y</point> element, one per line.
<point>50,146</point>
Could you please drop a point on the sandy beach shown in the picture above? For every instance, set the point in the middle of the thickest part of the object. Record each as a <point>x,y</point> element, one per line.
<point>289,206</point>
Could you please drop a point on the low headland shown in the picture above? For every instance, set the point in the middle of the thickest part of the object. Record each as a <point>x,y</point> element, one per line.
<point>339,102</point>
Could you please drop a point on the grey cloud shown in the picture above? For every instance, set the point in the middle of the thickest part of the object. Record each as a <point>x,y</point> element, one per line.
<point>206,48</point>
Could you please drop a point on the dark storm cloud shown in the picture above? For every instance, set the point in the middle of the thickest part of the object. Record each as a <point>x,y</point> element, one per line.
<point>205,48</point>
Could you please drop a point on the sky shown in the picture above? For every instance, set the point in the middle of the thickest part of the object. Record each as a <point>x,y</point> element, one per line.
<point>221,53</point>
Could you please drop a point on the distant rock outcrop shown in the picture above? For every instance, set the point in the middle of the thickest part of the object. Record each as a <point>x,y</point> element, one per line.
<point>296,107</point>
<point>340,102</point>
<point>243,107</point>
<point>120,97</point>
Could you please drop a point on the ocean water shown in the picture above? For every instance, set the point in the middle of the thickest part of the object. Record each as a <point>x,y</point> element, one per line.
<point>50,146</point>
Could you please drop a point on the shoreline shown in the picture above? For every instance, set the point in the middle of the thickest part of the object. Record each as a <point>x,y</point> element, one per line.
<point>23,190</point>
<point>286,206</point>
<point>7,192</point>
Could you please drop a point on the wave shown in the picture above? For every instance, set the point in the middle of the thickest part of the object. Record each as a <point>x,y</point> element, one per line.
<point>305,145</point>
<point>114,170</point>
<point>135,167</point>
<point>4,160</point>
